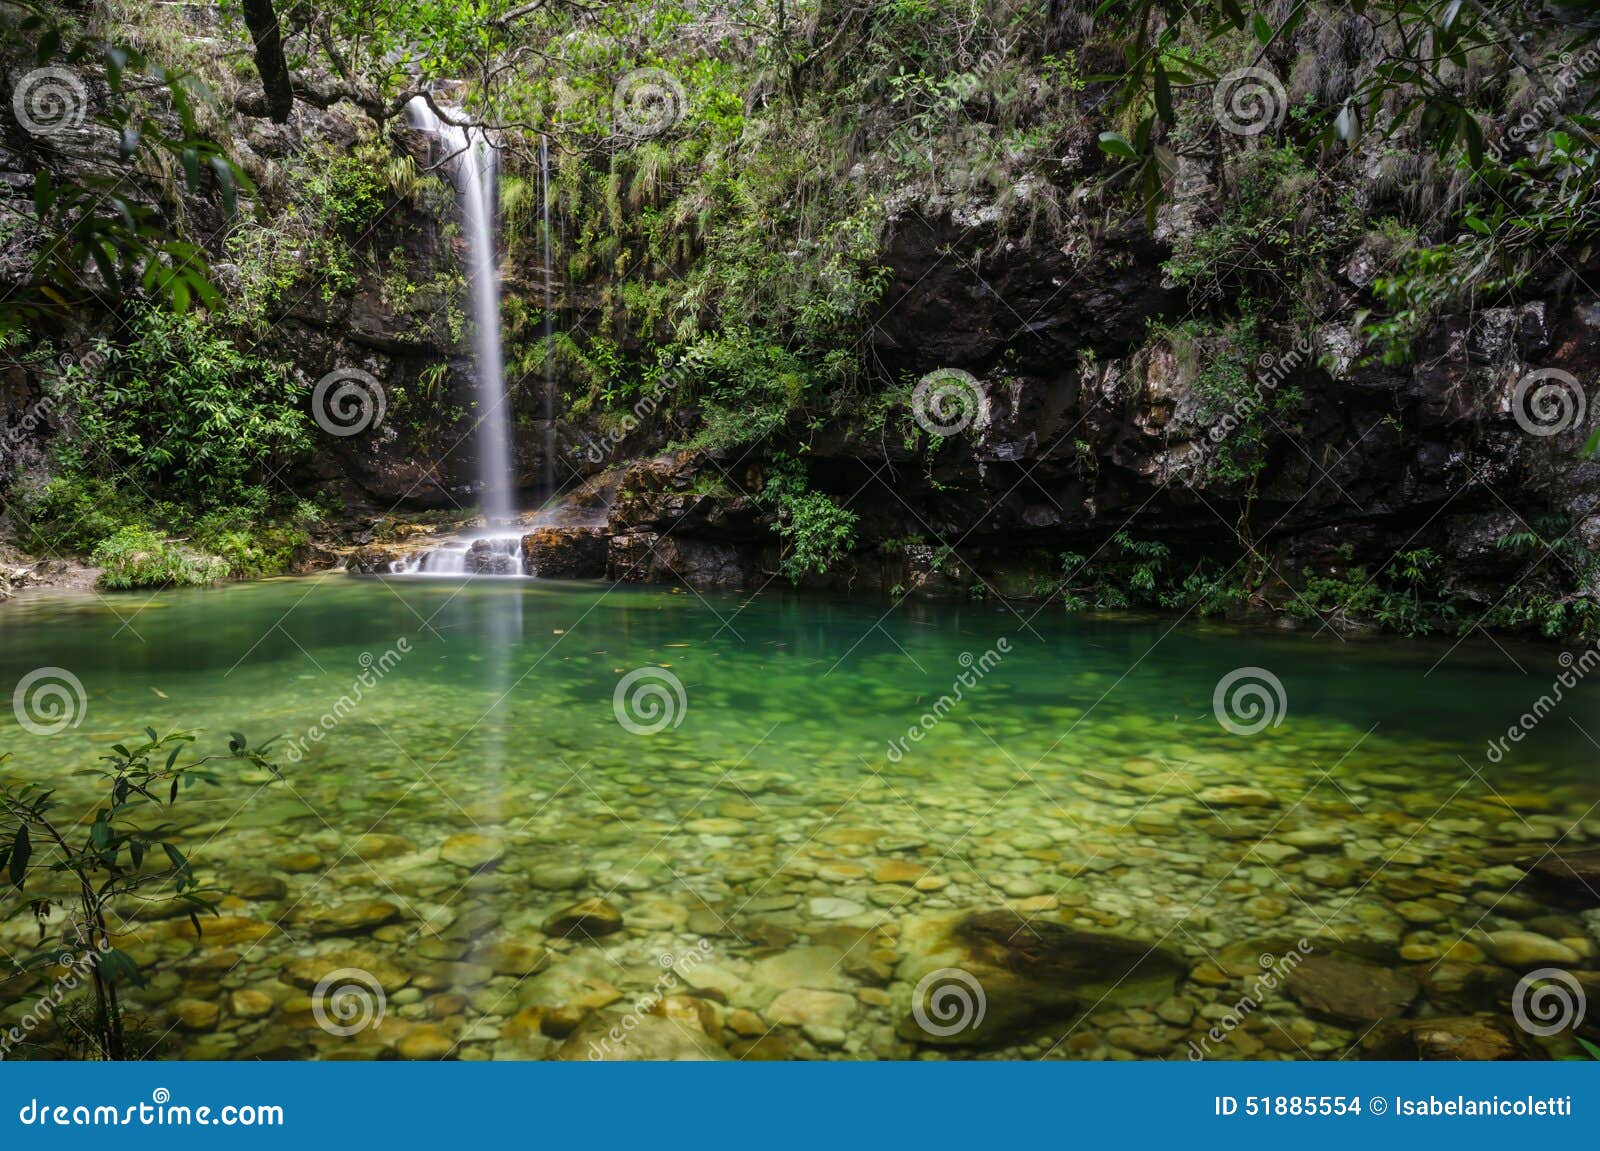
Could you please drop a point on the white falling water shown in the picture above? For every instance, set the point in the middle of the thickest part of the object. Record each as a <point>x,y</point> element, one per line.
<point>475,162</point>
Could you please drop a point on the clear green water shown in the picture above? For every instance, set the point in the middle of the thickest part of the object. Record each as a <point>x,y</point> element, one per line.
<point>1075,780</point>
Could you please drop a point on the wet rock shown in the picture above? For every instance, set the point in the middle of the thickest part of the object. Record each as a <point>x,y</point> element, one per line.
<point>261,888</point>
<point>1527,949</point>
<point>1464,1038</point>
<point>802,1007</point>
<point>428,1041</point>
<point>516,959</point>
<point>196,1014</point>
<point>347,919</point>
<point>1236,795</point>
<point>474,852</point>
<point>608,1036</point>
<point>1031,971</point>
<point>249,1004</point>
<point>830,907</point>
<point>372,561</point>
<point>1350,990</point>
<point>592,918</point>
<point>309,971</point>
<point>1575,873</point>
<point>565,553</point>
<point>558,877</point>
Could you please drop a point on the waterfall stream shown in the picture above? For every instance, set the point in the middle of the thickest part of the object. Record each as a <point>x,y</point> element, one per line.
<point>475,164</point>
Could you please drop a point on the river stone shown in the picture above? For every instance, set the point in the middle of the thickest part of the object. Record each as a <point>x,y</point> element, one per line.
<point>518,959</point>
<point>1237,795</point>
<point>557,877</point>
<point>1471,1039</point>
<point>610,1036</point>
<point>803,1007</point>
<point>308,971</point>
<point>1576,873</point>
<point>592,918</point>
<point>346,919</point>
<point>426,1041</point>
<point>832,907</point>
<point>196,1014</point>
<point>818,967</point>
<point>249,1004</point>
<point>374,846</point>
<point>261,888</point>
<point>1314,839</point>
<point>474,852</point>
<point>1032,971</point>
<point>1528,949</point>
<point>1349,990</point>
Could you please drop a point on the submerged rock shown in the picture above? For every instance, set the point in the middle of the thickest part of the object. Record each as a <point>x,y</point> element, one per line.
<point>609,1036</point>
<point>988,977</point>
<point>591,917</point>
<point>1349,990</point>
<point>1463,1038</point>
<point>1574,873</point>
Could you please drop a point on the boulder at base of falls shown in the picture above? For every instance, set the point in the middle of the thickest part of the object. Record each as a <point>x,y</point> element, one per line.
<point>1457,1037</point>
<point>987,978</point>
<point>565,553</point>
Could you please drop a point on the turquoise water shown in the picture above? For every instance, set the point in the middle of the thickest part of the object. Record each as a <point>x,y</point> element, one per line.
<point>481,779</point>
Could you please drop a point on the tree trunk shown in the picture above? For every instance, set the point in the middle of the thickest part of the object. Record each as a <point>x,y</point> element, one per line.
<point>274,69</point>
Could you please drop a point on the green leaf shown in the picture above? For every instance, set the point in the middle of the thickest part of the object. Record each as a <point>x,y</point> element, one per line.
<point>1114,144</point>
<point>1262,28</point>
<point>1164,94</point>
<point>1593,444</point>
<point>1472,131</point>
<point>21,849</point>
<point>1594,1052</point>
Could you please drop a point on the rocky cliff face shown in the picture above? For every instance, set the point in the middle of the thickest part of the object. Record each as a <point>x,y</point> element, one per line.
<point>1089,425</point>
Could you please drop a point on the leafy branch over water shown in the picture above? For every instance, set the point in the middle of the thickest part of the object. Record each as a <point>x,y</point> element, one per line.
<point>122,849</point>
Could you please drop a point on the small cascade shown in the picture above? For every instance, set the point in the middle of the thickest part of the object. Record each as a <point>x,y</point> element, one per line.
<point>475,162</point>
<point>484,555</point>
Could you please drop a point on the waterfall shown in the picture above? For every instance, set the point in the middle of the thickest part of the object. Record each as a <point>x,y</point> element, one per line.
<point>475,162</point>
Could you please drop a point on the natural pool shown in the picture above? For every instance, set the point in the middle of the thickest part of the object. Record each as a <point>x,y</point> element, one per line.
<point>783,868</point>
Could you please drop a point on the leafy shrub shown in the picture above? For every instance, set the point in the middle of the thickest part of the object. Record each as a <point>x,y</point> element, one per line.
<point>816,532</point>
<point>185,413</point>
<point>136,557</point>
